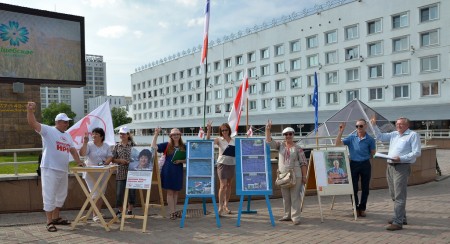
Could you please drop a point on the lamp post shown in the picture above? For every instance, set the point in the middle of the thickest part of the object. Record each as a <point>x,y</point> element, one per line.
<point>163,132</point>
<point>192,131</point>
<point>427,124</point>
<point>300,126</point>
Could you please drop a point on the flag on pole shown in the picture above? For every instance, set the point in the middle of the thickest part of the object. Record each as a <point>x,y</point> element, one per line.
<point>201,133</point>
<point>315,103</point>
<point>250,132</point>
<point>205,35</point>
<point>238,105</point>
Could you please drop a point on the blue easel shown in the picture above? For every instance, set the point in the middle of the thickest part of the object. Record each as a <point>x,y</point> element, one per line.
<point>186,203</point>
<point>253,174</point>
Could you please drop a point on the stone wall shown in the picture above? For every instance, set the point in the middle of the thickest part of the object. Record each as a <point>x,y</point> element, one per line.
<point>16,133</point>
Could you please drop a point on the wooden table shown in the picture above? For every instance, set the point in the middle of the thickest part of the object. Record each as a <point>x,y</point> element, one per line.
<point>105,171</point>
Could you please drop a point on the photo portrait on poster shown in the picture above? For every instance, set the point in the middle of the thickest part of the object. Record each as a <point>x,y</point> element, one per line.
<point>140,169</point>
<point>337,172</point>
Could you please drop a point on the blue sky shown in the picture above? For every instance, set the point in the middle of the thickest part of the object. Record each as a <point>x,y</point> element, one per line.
<point>131,33</point>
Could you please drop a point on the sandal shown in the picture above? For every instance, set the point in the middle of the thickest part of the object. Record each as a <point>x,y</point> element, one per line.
<point>173,216</point>
<point>178,214</point>
<point>51,227</point>
<point>60,221</point>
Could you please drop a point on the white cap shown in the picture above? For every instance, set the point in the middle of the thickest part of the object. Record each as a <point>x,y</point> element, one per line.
<point>123,130</point>
<point>288,129</point>
<point>62,116</point>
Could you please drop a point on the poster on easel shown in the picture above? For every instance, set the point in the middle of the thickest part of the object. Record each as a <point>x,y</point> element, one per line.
<point>200,175</point>
<point>140,169</point>
<point>253,172</point>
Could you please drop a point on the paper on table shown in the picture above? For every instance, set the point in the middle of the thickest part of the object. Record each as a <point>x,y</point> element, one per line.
<point>382,155</point>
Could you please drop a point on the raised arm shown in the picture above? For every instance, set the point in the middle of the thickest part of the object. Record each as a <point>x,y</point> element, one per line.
<point>339,136</point>
<point>31,107</point>
<point>268,127</point>
<point>83,148</point>
<point>155,137</point>
<point>208,129</point>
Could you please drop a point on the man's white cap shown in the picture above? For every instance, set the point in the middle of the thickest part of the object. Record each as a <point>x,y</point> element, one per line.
<point>123,130</point>
<point>62,116</point>
<point>288,129</point>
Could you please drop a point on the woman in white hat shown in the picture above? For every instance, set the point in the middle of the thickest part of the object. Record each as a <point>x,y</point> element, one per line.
<point>171,172</point>
<point>290,156</point>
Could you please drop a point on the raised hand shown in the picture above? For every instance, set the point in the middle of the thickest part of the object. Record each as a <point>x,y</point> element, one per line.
<point>269,124</point>
<point>86,137</point>
<point>342,126</point>
<point>157,130</point>
<point>208,125</point>
<point>31,106</point>
<point>373,120</point>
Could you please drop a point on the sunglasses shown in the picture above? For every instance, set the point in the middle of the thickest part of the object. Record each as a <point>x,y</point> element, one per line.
<point>359,126</point>
<point>288,134</point>
<point>123,134</point>
<point>224,130</point>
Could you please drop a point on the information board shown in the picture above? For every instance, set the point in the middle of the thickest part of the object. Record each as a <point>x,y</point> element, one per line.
<point>253,167</point>
<point>200,168</point>
<point>140,170</point>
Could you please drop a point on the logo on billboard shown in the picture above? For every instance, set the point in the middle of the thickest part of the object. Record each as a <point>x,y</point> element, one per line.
<point>13,33</point>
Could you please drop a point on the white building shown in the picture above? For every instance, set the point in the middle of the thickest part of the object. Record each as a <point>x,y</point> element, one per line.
<point>391,54</point>
<point>95,86</point>
<point>114,102</point>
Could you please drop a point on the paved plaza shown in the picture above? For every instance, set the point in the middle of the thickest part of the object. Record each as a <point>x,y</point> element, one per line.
<point>428,211</point>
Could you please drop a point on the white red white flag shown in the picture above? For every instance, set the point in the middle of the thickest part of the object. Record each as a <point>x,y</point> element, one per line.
<point>201,133</point>
<point>238,105</point>
<point>205,35</point>
<point>250,132</point>
<point>100,117</point>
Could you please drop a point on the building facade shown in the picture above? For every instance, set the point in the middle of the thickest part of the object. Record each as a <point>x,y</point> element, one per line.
<point>392,56</point>
<point>95,86</point>
<point>114,102</point>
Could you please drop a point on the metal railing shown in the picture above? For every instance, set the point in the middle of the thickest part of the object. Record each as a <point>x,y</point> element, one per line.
<point>15,163</point>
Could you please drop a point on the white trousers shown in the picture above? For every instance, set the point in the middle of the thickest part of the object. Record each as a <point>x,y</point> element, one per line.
<point>54,188</point>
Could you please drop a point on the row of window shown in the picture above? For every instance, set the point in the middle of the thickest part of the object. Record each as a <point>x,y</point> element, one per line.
<point>401,91</point>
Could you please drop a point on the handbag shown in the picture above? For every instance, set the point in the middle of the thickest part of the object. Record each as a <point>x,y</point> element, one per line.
<point>162,159</point>
<point>286,180</point>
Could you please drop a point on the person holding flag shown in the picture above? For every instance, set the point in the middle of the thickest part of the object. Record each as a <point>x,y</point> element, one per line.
<point>226,164</point>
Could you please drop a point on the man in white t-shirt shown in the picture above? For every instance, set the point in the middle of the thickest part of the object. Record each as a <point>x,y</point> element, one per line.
<point>57,144</point>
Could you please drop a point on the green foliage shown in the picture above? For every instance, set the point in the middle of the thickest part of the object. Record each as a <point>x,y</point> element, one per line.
<point>49,113</point>
<point>119,117</point>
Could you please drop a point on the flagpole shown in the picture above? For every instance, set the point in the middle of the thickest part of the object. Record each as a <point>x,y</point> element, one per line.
<point>204,102</point>
<point>246,116</point>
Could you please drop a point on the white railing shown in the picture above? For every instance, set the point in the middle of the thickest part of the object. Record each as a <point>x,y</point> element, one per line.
<point>15,163</point>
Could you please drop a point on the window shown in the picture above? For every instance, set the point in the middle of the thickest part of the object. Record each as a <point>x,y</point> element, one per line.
<point>264,53</point>
<point>400,21</point>
<point>401,67</point>
<point>264,70</point>
<point>218,94</point>
<point>217,80</point>
<point>332,98</point>
<point>228,78</point>
<point>239,75</point>
<point>228,63</point>
<point>428,64</point>
<point>296,101</point>
<point>239,60</point>
<point>279,67</point>
<point>430,88</point>
<point>295,64</point>
<point>198,97</point>
<point>199,110</point>
<point>332,77</point>
<point>265,87</point>
<point>227,107</point>
<point>252,72</point>
<point>281,102</point>
<point>374,26</point>
<point>182,99</point>
<point>218,109</point>
<point>182,87</point>
<point>280,85</point>
<point>169,114</point>
<point>351,32</point>
<point>265,104</point>
<point>331,57</point>
<point>168,101</point>
<point>351,53</point>
<point>429,13</point>
<point>198,83</point>
<point>296,82</point>
<point>313,60</point>
<point>208,96</point>
<point>175,100</point>
<point>311,41</point>
<point>251,57</point>
<point>295,46</point>
<point>190,98</point>
<point>310,80</point>
<point>375,48</point>
<point>310,97</point>
<point>189,85</point>
<point>331,37</point>
<point>252,89</point>
<point>400,44</point>
<point>217,65</point>
<point>376,93</point>
<point>401,91</point>
<point>252,105</point>
<point>229,92</point>
<point>190,111</point>
<point>174,88</point>
<point>198,70</point>
<point>376,71</point>
<point>182,112</point>
<point>189,74</point>
<point>352,95</point>
<point>429,38</point>
<point>279,50</point>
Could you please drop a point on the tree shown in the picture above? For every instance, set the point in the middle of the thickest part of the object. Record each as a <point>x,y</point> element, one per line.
<point>49,113</point>
<point>119,117</point>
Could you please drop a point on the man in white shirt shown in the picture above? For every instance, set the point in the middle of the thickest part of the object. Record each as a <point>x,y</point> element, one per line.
<point>57,144</point>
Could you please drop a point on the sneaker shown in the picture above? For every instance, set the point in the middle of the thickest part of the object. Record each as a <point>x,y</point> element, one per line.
<point>129,212</point>
<point>393,227</point>
<point>96,219</point>
<point>119,214</point>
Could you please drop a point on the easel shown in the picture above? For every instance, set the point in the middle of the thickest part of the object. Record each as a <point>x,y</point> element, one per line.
<point>317,169</point>
<point>156,180</point>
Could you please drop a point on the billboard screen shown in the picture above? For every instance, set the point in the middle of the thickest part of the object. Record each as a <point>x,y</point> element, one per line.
<point>39,46</point>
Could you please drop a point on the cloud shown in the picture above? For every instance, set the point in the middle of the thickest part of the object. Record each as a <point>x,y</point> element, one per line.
<point>195,22</point>
<point>138,34</point>
<point>189,3</point>
<point>115,31</point>
<point>164,25</point>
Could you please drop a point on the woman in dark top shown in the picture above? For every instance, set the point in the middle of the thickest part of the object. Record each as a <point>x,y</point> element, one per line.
<point>171,172</point>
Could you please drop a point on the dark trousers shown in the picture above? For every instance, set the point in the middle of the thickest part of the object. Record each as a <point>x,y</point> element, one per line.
<point>361,169</point>
<point>120,193</point>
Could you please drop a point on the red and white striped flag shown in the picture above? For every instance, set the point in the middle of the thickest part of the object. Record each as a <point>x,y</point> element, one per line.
<point>205,35</point>
<point>201,133</point>
<point>238,105</point>
<point>250,132</point>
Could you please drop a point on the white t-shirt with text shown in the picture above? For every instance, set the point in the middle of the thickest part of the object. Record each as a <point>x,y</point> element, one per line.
<point>56,148</point>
